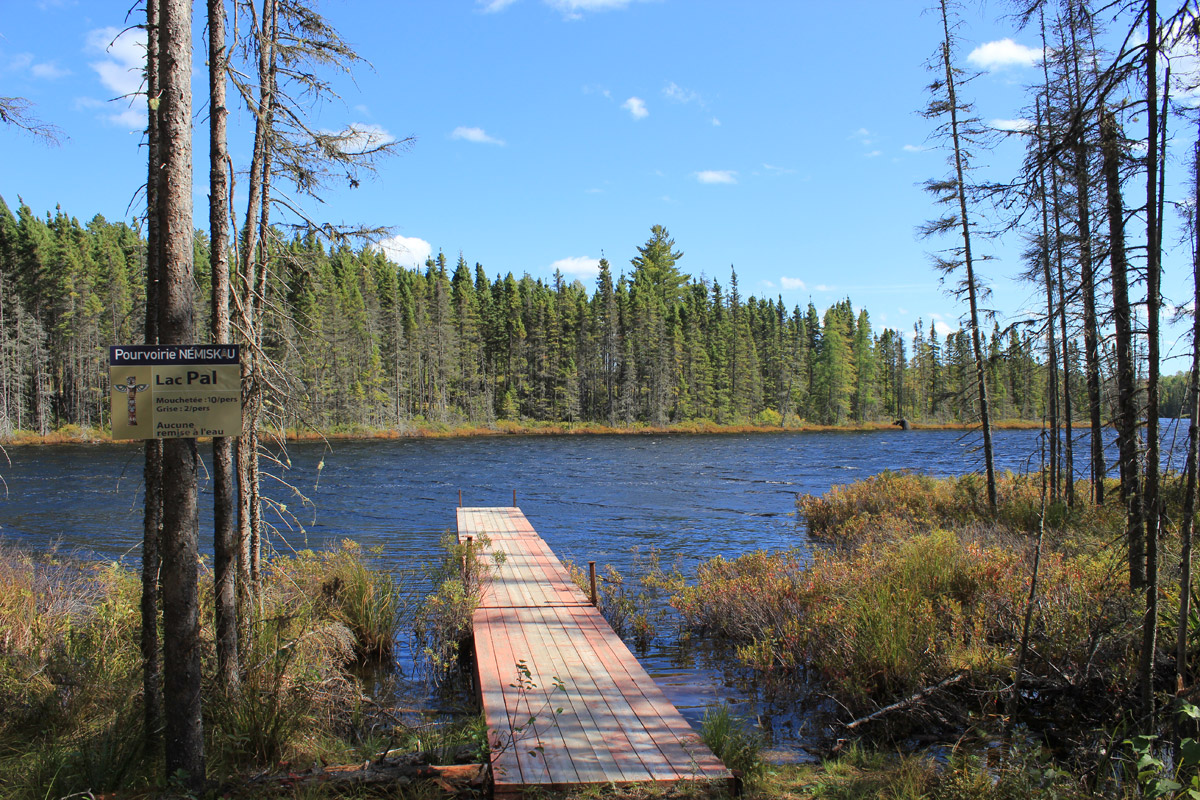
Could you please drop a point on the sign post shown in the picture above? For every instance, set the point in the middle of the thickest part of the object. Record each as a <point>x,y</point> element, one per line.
<point>175,391</point>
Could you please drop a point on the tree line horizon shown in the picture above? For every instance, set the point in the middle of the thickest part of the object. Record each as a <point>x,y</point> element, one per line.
<point>361,342</point>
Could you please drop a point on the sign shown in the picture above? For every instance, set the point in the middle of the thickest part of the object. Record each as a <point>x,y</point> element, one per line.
<point>175,391</point>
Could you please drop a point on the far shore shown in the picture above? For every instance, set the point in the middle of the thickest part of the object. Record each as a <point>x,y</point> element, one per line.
<point>425,430</point>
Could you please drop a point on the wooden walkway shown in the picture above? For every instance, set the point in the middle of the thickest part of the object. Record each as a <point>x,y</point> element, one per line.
<point>566,703</point>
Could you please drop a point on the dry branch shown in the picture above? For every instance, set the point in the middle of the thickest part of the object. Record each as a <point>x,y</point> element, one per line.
<point>909,701</point>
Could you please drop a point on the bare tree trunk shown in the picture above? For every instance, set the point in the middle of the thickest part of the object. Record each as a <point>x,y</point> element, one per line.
<point>152,472</point>
<point>180,558</point>
<point>1193,451</point>
<point>224,514</point>
<point>1068,403</point>
<point>1127,419</point>
<point>1153,302</point>
<point>972,286</point>
<point>1087,276</point>
<point>270,20</point>
<point>253,262</point>
<point>1048,280</point>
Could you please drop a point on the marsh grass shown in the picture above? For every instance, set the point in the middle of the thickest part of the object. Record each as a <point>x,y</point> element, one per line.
<point>69,675</point>
<point>70,672</point>
<point>442,623</point>
<point>862,773</point>
<point>921,582</point>
<point>735,740</point>
<point>635,607</point>
<point>892,503</point>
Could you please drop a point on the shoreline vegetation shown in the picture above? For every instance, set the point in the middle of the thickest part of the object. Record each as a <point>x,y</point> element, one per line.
<point>74,434</point>
<point>910,638</point>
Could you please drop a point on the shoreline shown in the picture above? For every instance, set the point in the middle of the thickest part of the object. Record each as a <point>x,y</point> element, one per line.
<point>76,435</point>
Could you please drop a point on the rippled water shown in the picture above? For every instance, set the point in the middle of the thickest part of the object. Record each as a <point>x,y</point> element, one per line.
<point>590,497</point>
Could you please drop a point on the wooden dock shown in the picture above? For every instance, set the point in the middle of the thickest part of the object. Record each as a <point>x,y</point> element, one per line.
<point>566,703</point>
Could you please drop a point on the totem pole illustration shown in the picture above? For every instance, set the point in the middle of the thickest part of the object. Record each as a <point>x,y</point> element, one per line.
<point>131,387</point>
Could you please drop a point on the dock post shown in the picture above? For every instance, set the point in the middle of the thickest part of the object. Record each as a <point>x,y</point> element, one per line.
<point>592,581</point>
<point>460,498</point>
<point>514,498</point>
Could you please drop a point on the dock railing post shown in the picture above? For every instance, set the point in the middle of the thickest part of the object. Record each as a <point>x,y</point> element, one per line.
<point>460,498</point>
<point>592,581</point>
<point>514,498</point>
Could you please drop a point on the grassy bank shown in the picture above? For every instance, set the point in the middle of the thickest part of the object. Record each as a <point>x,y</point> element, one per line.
<point>71,680</point>
<point>74,434</point>
<point>905,623</point>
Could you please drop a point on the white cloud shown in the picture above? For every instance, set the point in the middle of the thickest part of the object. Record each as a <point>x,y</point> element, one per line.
<point>717,176</point>
<point>914,148</point>
<point>125,51</point>
<point>577,266</point>
<point>938,322</point>
<point>476,135</point>
<point>716,122</point>
<point>863,136</point>
<point>792,284</point>
<point>824,287</point>
<point>406,251</point>
<point>636,106</point>
<point>1011,125</point>
<point>673,91</point>
<point>873,154</point>
<point>1004,53</point>
<point>48,70</point>
<point>492,6</point>
<point>573,9</point>
<point>131,119</point>
<point>775,170</point>
<point>363,138</point>
<point>120,72</point>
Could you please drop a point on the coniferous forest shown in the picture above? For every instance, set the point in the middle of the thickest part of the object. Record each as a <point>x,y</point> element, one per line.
<point>359,342</point>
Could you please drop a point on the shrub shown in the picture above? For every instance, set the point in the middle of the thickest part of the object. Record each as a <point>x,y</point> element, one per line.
<point>443,621</point>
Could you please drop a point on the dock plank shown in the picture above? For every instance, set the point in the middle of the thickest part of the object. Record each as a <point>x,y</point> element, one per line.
<point>606,721</point>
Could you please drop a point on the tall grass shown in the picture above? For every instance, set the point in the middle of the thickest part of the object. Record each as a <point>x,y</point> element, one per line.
<point>69,676</point>
<point>442,623</point>
<point>923,582</point>
<point>905,502</point>
<point>734,740</point>
<point>70,672</point>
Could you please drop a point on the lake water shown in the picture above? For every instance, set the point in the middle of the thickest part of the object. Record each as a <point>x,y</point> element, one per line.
<point>590,497</point>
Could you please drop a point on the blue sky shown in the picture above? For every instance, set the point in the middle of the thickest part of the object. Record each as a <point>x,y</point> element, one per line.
<point>779,137</point>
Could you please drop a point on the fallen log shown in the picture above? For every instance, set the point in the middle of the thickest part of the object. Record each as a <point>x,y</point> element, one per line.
<point>909,701</point>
